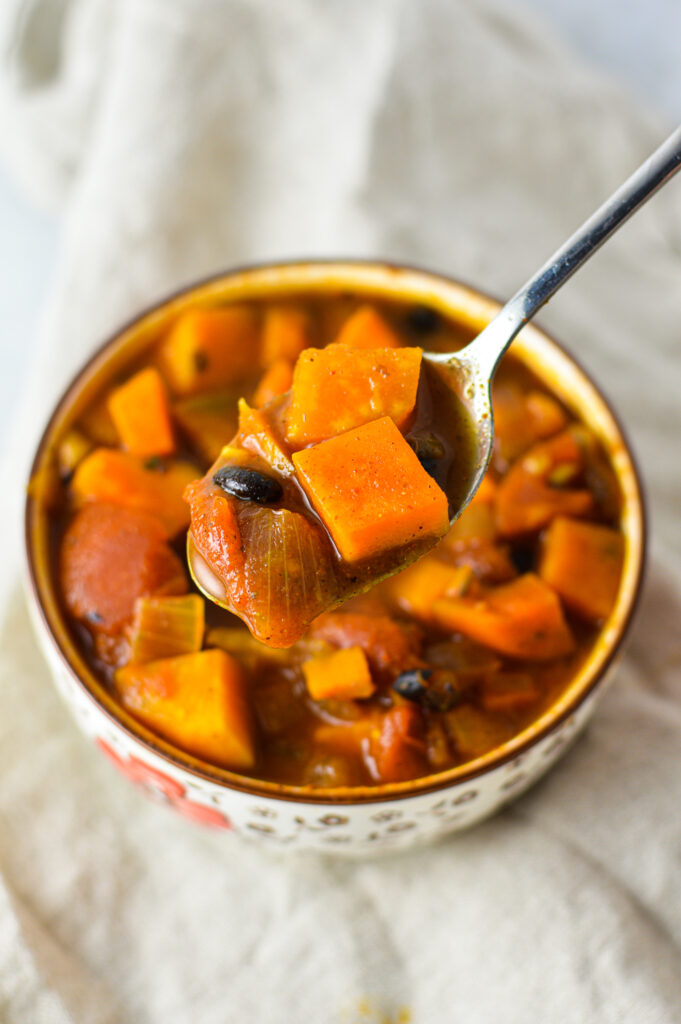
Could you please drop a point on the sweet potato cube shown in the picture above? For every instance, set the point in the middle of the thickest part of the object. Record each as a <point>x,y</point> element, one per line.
<point>583,564</point>
<point>508,691</point>
<point>141,414</point>
<point>536,488</point>
<point>522,619</point>
<point>257,435</point>
<point>371,491</point>
<point>274,382</point>
<point>286,332</point>
<point>337,388</point>
<point>196,701</point>
<point>366,328</point>
<point>341,675</point>
<point>118,478</point>
<point>207,349</point>
<point>416,588</point>
<point>208,421</point>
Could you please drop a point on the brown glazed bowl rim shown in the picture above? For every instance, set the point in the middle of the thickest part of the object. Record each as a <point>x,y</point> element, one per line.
<point>372,277</point>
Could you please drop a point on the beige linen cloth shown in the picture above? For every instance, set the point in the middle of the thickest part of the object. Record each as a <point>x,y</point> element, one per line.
<point>178,137</point>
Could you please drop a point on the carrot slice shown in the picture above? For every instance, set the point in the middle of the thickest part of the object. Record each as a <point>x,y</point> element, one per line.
<point>207,349</point>
<point>141,414</point>
<point>197,701</point>
<point>110,557</point>
<point>275,381</point>
<point>583,564</point>
<point>366,328</point>
<point>534,490</point>
<point>371,491</point>
<point>340,675</point>
<point>522,619</point>
<point>286,332</point>
<point>337,388</point>
<point>119,478</point>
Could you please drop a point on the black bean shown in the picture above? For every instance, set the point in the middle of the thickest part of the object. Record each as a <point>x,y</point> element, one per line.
<point>422,320</point>
<point>433,690</point>
<point>248,485</point>
<point>412,684</point>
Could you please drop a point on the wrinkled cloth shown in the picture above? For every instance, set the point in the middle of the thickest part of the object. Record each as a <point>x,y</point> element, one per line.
<point>179,138</point>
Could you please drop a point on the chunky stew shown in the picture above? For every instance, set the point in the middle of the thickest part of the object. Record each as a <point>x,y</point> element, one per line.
<point>304,442</point>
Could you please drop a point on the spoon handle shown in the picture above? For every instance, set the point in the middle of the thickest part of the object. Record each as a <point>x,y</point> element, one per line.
<point>486,350</point>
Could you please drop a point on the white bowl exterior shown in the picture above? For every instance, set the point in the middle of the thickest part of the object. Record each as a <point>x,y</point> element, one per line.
<point>361,829</point>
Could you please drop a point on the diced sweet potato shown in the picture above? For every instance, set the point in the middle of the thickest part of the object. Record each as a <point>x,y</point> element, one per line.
<point>110,556</point>
<point>390,646</point>
<point>208,349</point>
<point>471,542</point>
<point>399,751</point>
<point>508,691</point>
<point>341,675</point>
<point>366,328</point>
<point>346,739</point>
<point>287,330</point>
<point>257,435</point>
<point>119,478</point>
<point>371,491</point>
<point>476,523</point>
<point>583,564</point>
<point>521,418</point>
<point>522,619</point>
<point>165,627</point>
<point>96,422</point>
<point>208,421</point>
<point>535,489</point>
<point>196,701</point>
<point>416,588</point>
<point>141,414</point>
<point>337,388</point>
<point>277,380</point>
<point>475,732</point>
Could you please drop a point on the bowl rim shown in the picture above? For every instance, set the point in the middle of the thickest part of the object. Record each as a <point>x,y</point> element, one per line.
<point>182,761</point>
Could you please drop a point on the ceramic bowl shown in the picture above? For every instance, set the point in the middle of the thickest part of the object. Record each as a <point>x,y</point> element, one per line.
<point>368,819</point>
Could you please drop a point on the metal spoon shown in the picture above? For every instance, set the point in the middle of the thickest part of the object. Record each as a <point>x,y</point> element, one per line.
<point>469,372</point>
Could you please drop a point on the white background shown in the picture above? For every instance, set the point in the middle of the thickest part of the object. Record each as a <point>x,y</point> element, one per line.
<point>636,41</point>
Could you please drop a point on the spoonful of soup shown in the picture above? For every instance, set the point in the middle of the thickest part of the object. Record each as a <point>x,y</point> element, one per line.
<point>360,467</point>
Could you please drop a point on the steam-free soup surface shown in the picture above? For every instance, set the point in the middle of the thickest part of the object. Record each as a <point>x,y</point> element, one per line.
<point>427,670</point>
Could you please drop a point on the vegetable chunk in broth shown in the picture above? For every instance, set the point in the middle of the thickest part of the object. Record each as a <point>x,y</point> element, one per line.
<point>310,452</point>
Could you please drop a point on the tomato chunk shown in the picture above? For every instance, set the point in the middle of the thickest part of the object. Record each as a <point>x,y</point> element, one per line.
<point>109,557</point>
